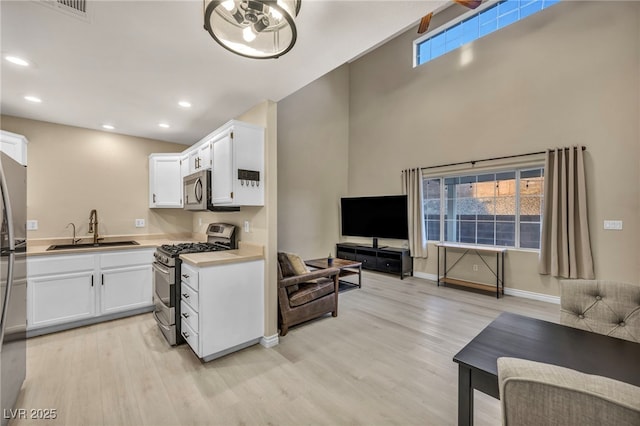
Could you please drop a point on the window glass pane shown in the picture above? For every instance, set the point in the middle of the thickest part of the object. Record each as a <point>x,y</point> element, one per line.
<point>507,19</point>
<point>431,188</point>
<point>530,209</point>
<point>470,29</point>
<point>433,230</point>
<point>438,45</point>
<point>505,234</point>
<point>507,7</point>
<point>530,8</point>
<point>530,235</point>
<point>424,51</point>
<point>488,15</point>
<point>486,234</point>
<point>467,232</point>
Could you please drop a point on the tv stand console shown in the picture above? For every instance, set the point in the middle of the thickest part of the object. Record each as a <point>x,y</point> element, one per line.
<point>391,260</point>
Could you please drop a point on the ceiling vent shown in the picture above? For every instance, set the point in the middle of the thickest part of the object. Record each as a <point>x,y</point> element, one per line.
<point>77,8</point>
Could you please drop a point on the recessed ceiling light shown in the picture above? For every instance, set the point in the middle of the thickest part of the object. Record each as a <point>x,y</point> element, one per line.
<point>33,99</point>
<point>17,61</point>
<point>164,125</point>
<point>108,126</point>
<point>184,104</point>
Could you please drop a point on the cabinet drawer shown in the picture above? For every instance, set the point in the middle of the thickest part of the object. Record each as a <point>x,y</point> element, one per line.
<point>347,255</point>
<point>60,264</point>
<point>188,315</point>
<point>189,296</point>
<point>120,259</point>
<point>190,336</point>
<point>368,262</point>
<point>189,275</point>
<point>389,265</point>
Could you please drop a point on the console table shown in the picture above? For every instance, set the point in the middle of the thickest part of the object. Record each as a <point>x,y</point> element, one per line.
<point>499,272</point>
<point>392,260</point>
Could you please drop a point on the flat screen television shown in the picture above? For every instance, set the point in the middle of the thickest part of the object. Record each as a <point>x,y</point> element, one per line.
<point>376,217</point>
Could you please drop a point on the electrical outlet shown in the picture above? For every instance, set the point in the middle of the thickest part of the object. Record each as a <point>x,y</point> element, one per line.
<point>139,223</point>
<point>613,224</point>
<point>32,225</point>
<point>246,226</point>
<point>199,221</point>
<point>475,268</point>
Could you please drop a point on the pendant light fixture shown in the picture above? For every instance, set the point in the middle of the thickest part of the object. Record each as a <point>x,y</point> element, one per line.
<point>258,29</point>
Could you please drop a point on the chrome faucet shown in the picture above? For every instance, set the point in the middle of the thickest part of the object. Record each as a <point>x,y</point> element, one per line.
<point>93,225</point>
<point>74,240</point>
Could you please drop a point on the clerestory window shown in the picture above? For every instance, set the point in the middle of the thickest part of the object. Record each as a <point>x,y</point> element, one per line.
<point>473,25</point>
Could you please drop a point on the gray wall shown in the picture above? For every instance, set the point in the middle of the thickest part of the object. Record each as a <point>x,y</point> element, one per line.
<point>568,75</point>
<point>313,129</point>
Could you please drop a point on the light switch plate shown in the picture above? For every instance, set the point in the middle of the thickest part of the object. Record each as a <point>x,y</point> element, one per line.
<point>32,225</point>
<point>613,225</point>
<point>246,226</point>
<point>139,223</point>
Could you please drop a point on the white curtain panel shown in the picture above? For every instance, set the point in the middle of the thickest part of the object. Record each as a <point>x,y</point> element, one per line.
<point>412,185</point>
<point>565,247</point>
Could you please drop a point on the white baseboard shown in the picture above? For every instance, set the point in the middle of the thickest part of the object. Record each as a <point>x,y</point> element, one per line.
<point>269,341</point>
<point>507,290</point>
<point>531,295</point>
<point>432,277</point>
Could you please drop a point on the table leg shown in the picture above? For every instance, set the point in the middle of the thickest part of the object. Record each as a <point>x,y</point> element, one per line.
<point>502,273</point>
<point>497,275</point>
<point>438,270</point>
<point>465,396</point>
<point>360,276</point>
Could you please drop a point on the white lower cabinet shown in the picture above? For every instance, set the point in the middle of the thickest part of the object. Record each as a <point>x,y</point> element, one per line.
<point>78,288</point>
<point>225,312</point>
<point>60,298</point>
<point>124,289</point>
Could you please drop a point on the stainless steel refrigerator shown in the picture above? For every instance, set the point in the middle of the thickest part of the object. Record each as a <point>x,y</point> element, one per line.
<point>13,281</point>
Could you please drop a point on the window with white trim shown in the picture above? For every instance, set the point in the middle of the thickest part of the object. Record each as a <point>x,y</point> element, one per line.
<point>473,25</point>
<point>502,208</point>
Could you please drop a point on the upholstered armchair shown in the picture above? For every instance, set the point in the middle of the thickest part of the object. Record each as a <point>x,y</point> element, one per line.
<point>606,307</point>
<point>304,294</point>
<point>537,394</point>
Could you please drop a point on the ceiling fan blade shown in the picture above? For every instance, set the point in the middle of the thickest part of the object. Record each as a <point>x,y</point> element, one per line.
<point>471,4</point>
<point>424,23</point>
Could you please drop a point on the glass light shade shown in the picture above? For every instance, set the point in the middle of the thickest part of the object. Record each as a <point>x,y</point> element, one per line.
<point>259,29</point>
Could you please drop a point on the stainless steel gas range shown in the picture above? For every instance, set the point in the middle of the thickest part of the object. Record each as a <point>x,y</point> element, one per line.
<point>166,276</point>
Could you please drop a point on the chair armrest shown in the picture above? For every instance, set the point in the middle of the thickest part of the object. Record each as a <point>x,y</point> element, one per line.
<point>303,278</point>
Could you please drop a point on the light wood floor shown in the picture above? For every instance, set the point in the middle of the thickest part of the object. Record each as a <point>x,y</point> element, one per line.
<point>385,360</point>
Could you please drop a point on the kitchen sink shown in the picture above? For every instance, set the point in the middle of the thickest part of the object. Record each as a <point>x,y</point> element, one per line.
<point>90,245</point>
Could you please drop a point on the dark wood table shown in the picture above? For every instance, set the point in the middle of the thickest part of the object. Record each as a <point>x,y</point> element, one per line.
<point>347,267</point>
<point>516,336</point>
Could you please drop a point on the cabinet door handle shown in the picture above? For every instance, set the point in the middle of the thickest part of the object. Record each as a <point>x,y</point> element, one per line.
<point>186,315</point>
<point>185,334</point>
<point>102,279</point>
<point>91,280</point>
<point>186,296</point>
<point>185,275</point>
<point>154,198</point>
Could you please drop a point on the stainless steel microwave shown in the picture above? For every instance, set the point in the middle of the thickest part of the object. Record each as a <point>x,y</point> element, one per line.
<point>197,193</point>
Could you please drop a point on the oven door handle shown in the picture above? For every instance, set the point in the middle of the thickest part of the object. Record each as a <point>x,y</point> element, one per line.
<point>160,323</point>
<point>160,269</point>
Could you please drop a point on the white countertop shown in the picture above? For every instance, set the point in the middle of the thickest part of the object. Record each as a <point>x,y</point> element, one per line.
<point>245,253</point>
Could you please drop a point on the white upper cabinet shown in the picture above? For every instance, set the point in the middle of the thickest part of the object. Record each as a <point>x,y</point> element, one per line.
<point>235,155</point>
<point>237,175</point>
<point>14,145</point>
<point>200,157</point>
<point>165,181</point>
